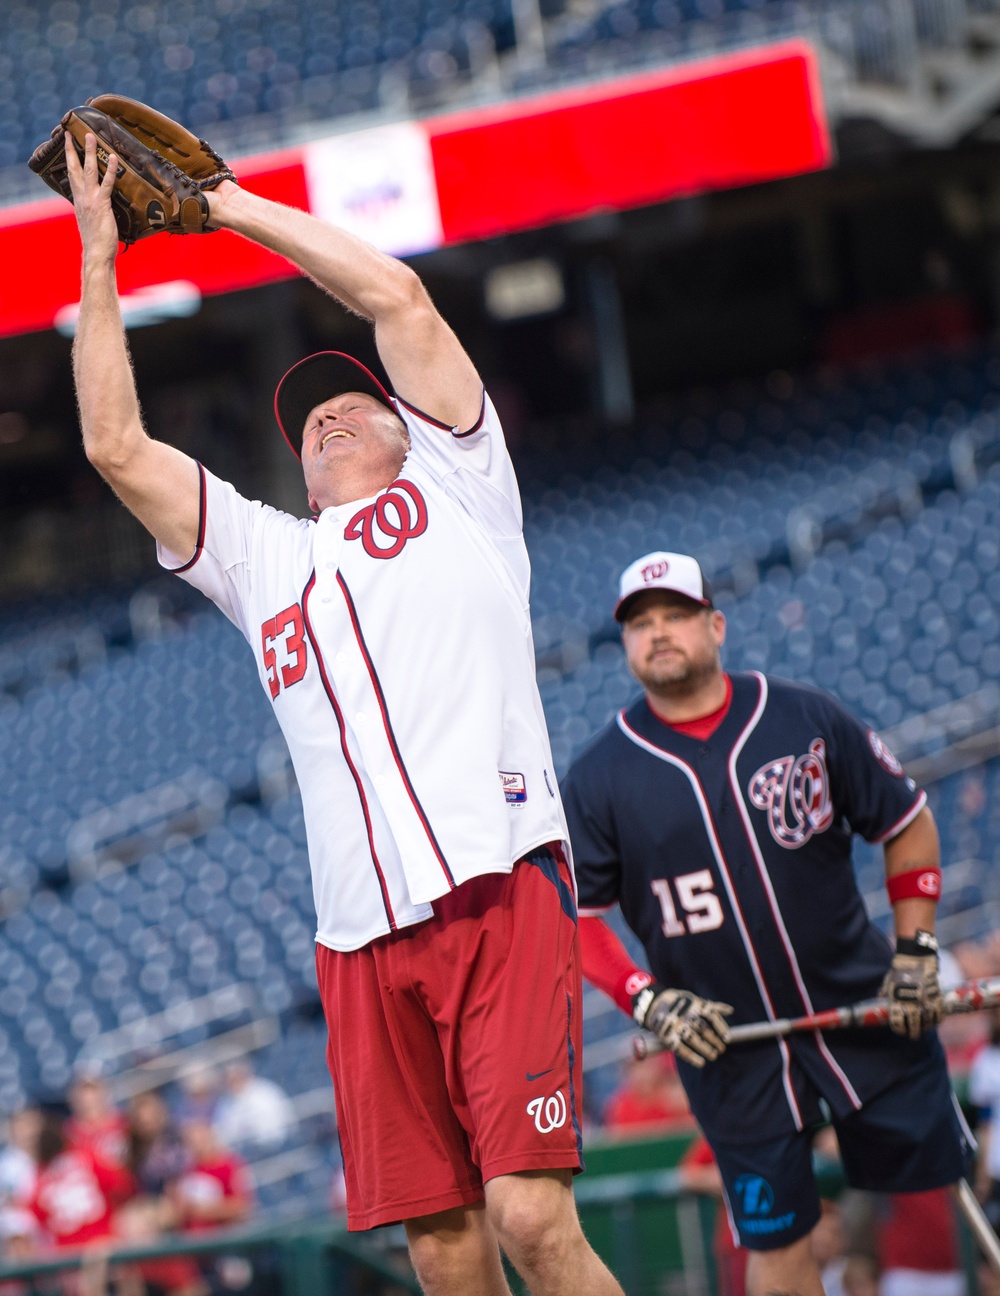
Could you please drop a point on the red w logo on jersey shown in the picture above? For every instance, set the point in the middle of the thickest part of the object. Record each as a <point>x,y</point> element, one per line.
<point>795,792</point>
<point>400,514</point>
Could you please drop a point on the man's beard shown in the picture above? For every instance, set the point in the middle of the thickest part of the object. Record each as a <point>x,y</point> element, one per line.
<point>684,680</point>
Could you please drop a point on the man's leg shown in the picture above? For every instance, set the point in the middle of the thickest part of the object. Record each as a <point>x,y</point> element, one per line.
<point>455,1253</point>
<point>786,1271</point>
<point>535,1219</point>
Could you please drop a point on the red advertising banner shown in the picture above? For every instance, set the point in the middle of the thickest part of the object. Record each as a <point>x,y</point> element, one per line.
<point>737,120</point>
<point>745,118</point>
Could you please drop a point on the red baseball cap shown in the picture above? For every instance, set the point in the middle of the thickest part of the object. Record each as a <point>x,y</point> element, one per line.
<point>315,379</point>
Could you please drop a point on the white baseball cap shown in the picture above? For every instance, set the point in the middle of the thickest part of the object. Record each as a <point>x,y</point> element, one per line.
<point>678,573</point>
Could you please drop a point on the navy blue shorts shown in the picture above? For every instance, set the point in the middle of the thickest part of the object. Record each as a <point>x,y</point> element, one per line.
<point>909,1138</point>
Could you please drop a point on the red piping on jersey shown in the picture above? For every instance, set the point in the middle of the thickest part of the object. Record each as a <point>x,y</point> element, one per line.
<point>202,515</point>
<point>720,859</point>
<point>905,822</point>
<point>772,899</point>
<point>347,756</point>
<point>393,745</point>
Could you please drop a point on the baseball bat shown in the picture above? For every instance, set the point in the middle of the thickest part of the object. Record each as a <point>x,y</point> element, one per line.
<point>979,1226</point>
<point>972,996</point>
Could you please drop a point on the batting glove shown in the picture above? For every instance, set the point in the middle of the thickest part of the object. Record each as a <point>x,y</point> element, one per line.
<point>911,986</point>
<point>693,1028</point>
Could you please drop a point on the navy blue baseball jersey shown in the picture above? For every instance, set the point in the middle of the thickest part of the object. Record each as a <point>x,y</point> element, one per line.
<point>731,860</point>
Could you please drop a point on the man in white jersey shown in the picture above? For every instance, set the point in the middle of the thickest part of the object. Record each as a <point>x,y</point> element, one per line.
<point>391,633</point>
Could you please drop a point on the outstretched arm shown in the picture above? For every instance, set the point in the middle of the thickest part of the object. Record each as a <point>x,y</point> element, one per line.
<point>424,359</point>
<point>156,482</point>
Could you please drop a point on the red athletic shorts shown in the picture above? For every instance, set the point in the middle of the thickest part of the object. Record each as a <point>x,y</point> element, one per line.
<point>455,1045</point>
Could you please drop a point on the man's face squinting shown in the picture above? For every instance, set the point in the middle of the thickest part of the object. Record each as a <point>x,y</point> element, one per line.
<point>351,437</point>
<point>672,643</point>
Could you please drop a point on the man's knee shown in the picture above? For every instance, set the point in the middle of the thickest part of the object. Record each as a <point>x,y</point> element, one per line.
<point>533,1213</point>
<point>454,1251</point>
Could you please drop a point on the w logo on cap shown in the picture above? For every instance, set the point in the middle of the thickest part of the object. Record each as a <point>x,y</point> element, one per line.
<point>655,571</point>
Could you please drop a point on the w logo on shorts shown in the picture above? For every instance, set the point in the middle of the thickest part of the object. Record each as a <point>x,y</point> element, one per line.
<point>549,1113</point>
<point>383,527</point>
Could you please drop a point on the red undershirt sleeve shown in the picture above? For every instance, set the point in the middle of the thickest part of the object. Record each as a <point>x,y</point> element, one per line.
<point>607,964</point>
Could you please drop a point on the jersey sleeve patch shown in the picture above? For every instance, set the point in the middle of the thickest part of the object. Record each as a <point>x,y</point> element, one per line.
<point>883,755</point>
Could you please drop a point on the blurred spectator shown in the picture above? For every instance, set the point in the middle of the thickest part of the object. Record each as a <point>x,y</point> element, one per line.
<point>199,1095</point>
<point>76,1190</point>
<point>972,799</point>
<point>918,1248</point>
<point>987,1282</point>
<point>156,1153</point>
<point>651,1094</point>
<point>96,1124</point>
<point>141,1222</point>
<point>337,1195</point>
<point>215,1188</point>
<point>961,1034</point>
<point>977,959</point>
<point>829,1248</point>
<point>17,1160</point>
<point>984,1092</point>
<point>19,1243</point>
<point>252,1112</point>
<point>860,1276</point>
<point>700,1174</point>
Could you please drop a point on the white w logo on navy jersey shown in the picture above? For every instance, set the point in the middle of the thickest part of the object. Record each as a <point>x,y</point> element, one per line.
<point>795,792</point>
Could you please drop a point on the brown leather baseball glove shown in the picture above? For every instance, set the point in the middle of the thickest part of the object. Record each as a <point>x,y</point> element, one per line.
<point>163,170</point>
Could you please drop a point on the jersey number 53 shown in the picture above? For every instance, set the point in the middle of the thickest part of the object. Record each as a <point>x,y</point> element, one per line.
<point>698,902</point>
<point>286,631</point>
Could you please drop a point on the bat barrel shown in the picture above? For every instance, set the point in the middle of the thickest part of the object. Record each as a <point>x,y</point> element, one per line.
<point>971,997</point>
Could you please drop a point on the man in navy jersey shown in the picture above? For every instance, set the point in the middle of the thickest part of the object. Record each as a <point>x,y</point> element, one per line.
<point>718,811</point>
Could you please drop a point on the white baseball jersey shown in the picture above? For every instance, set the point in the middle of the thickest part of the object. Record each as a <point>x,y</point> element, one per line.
<point>393,638</point>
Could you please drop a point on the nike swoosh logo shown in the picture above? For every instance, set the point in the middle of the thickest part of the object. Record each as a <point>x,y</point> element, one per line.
<point>529,1077</point>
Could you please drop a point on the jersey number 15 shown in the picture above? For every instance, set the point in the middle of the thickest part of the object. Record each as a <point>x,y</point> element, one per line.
<point>697,898</point>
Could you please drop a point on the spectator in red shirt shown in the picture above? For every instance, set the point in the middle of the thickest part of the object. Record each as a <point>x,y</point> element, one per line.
<point>142,1222</point>
<point>76,1191</point>
<point>95,1123</point>
<point>215,1188</point>
<point>918,1245</point>
<point>650,1095</point>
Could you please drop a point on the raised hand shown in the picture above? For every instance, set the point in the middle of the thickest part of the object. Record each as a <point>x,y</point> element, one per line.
<point>92,200</point>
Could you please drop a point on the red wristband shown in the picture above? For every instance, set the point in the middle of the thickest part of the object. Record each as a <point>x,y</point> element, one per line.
<point>921,884</point>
